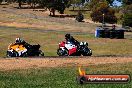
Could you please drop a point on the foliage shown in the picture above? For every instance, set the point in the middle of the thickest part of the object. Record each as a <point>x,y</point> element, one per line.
<point>127,9</point>
<point>127,16</point>
<point>77,2</point>
<point>100,9</point>
<point>92,3</point>
<point>110,2</point>
<point>52,5</point>
<point>127,19</point>
<point>59,5</point>
<point>1,1</point>
<point>79,17</point>
<point>125,2</point>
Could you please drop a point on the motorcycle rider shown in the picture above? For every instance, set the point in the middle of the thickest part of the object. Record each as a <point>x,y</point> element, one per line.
<point>21,41</point>
<point>70,38</point>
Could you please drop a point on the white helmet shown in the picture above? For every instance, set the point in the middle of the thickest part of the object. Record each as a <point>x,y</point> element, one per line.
<point>18,40</point>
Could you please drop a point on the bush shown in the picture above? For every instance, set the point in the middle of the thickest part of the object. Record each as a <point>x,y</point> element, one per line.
<point>127,20</point>
<point>103,8</point>
<point>79,17</point>
<point>1,1</point>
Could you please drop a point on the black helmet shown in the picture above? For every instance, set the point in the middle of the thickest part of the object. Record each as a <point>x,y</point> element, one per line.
<point>67,36</point>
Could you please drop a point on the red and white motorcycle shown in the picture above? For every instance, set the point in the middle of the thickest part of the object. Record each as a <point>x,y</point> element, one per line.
<point>70,49</point>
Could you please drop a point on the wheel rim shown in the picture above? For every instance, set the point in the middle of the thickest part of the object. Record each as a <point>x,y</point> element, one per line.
<point>87,51</point>
<point>62,52</point>
<point>15,54</point>
<point>9,54</point>
<point>12,54</point>
<point>66,52</point>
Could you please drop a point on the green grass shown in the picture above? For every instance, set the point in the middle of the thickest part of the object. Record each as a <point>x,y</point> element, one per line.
<point>61,77</point>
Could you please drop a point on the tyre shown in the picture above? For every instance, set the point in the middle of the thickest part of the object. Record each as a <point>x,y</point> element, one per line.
<point>41,53</point>
<point>78,53</point>
<point>9,54</point>
<point>61,52</point>
<point>12,54</point>
<point>25,54</point>
<point>33,52</point>
<point>87,51</point>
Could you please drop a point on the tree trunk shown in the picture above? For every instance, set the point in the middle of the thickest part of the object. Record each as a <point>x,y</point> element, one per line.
<point>73,8</point>
<point>53,10</point>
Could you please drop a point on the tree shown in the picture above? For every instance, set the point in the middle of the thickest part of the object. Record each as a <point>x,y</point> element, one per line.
<point>127,20</point>
<point>127,16</point>
<point>110,2</point>
<point>19,3</point>
<point>126,2</point>
<point>91,3</point>
<point>54,5</point>
<point>103,12</point>
<point>59,5</point>
<point>127,12</point>
<point>1,1</point>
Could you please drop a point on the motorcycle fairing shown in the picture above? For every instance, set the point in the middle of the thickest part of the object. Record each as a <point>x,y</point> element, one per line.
<point>71,48</point>
<point>19,48</point>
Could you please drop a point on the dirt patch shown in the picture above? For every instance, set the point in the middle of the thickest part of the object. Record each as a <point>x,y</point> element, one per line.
<point>19,25</point>
<point>25,63</point>
<point>28,18</point>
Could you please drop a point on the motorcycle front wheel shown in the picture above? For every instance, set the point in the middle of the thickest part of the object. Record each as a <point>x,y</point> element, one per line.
<point>12,54</point>
<point>61,52</point>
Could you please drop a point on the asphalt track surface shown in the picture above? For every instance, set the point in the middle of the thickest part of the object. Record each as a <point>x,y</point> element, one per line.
<point>42,57</point>
<point>18,63</point>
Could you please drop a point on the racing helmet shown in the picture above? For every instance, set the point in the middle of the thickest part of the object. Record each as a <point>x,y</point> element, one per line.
<point>19,40</point>
<point>67,36</point>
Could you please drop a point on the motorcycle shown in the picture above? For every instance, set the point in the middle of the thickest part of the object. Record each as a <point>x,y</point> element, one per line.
<point>23,50</point>
<point>70,49</point>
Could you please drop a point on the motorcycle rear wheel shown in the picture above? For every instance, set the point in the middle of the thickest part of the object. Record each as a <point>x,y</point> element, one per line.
<point>41,53</point>
<point>87,51</point>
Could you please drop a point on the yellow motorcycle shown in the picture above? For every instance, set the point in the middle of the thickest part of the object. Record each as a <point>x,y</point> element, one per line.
<point>23,50</point>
